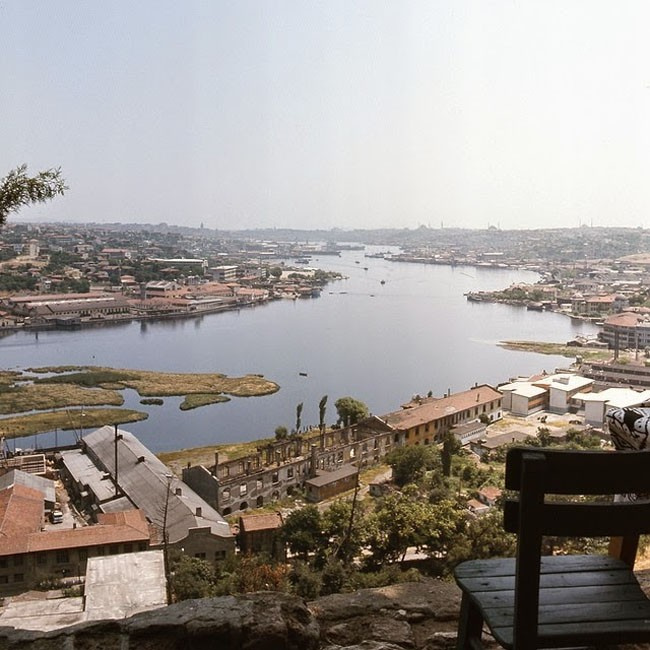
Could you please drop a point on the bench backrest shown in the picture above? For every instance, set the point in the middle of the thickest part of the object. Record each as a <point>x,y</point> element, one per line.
<point>537,473</point>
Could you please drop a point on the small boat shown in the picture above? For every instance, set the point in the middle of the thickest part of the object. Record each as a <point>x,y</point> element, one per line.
<point>383,282</point>
<point>302,374</point>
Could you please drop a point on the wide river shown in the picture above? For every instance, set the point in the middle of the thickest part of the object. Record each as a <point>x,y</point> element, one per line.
<point>380,343</point>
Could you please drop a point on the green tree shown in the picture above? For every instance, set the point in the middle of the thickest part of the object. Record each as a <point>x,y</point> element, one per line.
<point>281,433</point>
<point>276,272</point>
<point>18,190</point>
<point>192,577</point>
<point>400,520</point>
<point>298,416</point>
<point>449,523</point>
<point>350,410</point>
<point>409,463</point>
<point>343,539</point>
<point>322,405</point>
<point>302,531</point>
<point>450,446</point>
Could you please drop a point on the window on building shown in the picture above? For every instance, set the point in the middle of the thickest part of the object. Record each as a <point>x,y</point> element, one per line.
<point>83,554</point>
<point>19,560</point>
<point>275,478</point>
<point>290,472</point>
<point>41,558</point>
<point>3,562</point>
<point>219,555</point>
<point>426,428</point>
<point>226,493</point>
<point>62,556</point>
<point>114,549</point>
<point>243,488</point>
<point>201,556</point>
<point>101,550</point>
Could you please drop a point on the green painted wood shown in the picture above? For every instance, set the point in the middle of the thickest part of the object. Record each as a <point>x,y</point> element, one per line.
<point>549,564</point>
<point>565,595</point>
<point>532,601</point>
<point>555,579</point>
<point>585,472</point>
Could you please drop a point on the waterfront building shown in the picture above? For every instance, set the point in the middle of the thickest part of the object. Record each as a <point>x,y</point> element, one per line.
<point>162,289</point>
<point>427,420</point>
<point>634,374</point>
<point>629,330</point>
<point>58,307</point>
<point>224,273</point>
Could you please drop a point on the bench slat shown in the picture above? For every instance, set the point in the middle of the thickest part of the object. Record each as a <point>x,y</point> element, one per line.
<point>549,564</point>
<point>564,595</point>
<point>597,633</point>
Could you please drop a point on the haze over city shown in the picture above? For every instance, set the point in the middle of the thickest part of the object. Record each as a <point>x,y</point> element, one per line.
<point>341,114</point>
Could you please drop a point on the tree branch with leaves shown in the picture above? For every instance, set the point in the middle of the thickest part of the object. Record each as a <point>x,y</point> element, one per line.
<point>18,189</point>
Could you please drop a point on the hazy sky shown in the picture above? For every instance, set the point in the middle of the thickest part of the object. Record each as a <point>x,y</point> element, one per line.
<point>332,113</point>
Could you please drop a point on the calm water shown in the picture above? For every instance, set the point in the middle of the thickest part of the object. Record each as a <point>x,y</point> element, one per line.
<point>378,343</point>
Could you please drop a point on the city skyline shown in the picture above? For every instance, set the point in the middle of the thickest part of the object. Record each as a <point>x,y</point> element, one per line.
<point>321,115</point>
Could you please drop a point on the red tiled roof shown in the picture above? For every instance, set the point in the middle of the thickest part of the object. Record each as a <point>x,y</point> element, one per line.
<point>440,408</point>
<point>626,319</point>
<point>114,528</point>
<point>21,513</point>
<point>490,492</point>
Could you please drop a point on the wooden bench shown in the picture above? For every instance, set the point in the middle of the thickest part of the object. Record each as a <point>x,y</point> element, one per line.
<point>535,601</point>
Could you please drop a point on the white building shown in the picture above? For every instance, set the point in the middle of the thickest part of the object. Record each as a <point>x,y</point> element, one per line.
<point>562,388</point>
<point>523,397</point>
<point>596,404</point>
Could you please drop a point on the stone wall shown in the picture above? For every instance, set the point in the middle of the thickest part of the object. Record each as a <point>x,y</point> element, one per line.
<point>410,616</point>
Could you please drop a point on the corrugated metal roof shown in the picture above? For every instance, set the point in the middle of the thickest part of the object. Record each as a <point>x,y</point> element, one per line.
<point>152,487</point>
